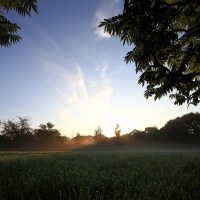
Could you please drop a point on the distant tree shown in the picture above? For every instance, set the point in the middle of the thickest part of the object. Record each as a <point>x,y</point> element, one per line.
<point>49,125</point>
<point>135,131</point>
<point>165,36</point>
<point>16,135</point>
<point>151,129</point>
<point>65,139</point>
<point>8,29</point>
<point>9,129</point>
<point>77,138</point>
<point>24,126</point>
<point>81,140</point>
<point>16,130</point>
<point>47,132</point>
<point>183,129</point>
<point>117,131</point>
<point>98,131</point>
<point>98,135</point>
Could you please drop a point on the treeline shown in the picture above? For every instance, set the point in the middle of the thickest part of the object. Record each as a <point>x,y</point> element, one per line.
<point>180,133</point>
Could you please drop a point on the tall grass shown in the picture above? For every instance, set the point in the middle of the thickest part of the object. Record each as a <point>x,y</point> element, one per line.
<point>99,175</point>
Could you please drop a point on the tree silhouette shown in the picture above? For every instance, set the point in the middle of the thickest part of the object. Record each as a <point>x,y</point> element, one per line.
<point>185,129</point>
<point>165,36</point>
<point>117,131</point>
<point>16,130</point>
<point>8,29</point>
<point>181,132</point>
<point>47,132</point>
<point>98,135</point>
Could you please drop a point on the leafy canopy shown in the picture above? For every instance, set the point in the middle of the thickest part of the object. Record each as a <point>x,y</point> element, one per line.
<point>165,35</point>
<point>8,29</point>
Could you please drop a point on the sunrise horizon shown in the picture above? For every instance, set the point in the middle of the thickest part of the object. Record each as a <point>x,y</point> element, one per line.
<point>66,70</point>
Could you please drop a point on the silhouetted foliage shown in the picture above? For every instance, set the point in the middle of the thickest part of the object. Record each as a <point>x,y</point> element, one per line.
<point>8,29</point>
<point>150,130</point>
<point>82,139</point>
<point>98,131</point>
<point>16,130</point>
<point>47,132</point>
<point>165,36</point>
<point>117,130</point>
<point>18,135</point>
<point>98,135</point>
<point>183,130</point>
<point>180,133</point>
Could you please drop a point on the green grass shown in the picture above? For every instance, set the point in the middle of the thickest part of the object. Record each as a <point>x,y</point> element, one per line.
<point>99,175</point>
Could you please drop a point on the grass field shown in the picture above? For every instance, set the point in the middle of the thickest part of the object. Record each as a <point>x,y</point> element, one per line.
<point>99,175</point>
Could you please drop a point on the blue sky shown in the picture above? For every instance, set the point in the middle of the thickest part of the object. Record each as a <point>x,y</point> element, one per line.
<point>67,71</point>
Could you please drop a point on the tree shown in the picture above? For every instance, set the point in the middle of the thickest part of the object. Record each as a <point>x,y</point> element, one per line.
<point>8,30</point>
<point>9,129</point>
<point>47,132</point>
<point>151,130</point>
<point>165,36</point>
<point>98,131</point>
<point>117,131</point>
<point>24,126</point>
<point>78,139</point>
<point>183,129</point>
<point>17,130</point>
<point>98,135</point>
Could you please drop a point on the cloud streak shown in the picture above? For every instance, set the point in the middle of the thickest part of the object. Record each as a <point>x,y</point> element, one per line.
<point>105,10</point>
<point>80,82</point>
<point>100,15</point>
<point>103,71</point>
<point>118,71</point>
<point>81,100</point>
<point>116,1</point>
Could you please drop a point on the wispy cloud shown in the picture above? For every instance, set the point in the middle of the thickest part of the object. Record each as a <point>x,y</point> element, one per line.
<point>100,15</point>
<point>117,71</point>
<point>81,101</point>
<point>106,9</point>
<point>80,82</point>
<point>116,1</point>
<point>103,71</point>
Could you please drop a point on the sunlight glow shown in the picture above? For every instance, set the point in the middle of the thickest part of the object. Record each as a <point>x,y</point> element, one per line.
<point>125,126</point>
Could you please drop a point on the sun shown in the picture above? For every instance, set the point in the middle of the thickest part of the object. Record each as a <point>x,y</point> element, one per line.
<point>125,127</point>
<point>109,130</point>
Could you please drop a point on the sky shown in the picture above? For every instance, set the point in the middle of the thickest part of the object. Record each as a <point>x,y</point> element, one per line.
<point>67,71</point>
